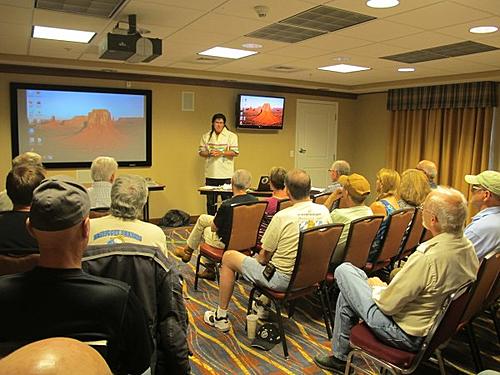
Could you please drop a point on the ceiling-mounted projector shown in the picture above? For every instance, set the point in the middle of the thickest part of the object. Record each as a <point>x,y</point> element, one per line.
<point>131,47</point>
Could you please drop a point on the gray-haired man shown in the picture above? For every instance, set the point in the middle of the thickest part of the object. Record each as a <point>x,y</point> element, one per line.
<point>129,194</point>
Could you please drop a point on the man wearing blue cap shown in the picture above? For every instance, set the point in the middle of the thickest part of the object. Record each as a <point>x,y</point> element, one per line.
<point>58,299</point>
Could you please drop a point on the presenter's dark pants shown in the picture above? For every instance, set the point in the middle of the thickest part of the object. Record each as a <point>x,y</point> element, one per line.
<point>212,197</point>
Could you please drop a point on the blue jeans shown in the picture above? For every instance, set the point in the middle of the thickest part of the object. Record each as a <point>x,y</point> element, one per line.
<point>355,302</point>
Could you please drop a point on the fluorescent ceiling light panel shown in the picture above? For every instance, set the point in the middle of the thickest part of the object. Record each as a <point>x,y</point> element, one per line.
<point>66,35</point>
<point>344,68</point>
<point>483,29</point>
<point>382,3</point>
<point>408,69</point>
<point>228,53</point>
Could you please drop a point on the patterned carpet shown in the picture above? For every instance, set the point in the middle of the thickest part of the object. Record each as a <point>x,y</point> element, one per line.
<point>231,353</point>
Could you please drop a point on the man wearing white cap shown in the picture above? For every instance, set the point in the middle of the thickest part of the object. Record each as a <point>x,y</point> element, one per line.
<point>484,229</point>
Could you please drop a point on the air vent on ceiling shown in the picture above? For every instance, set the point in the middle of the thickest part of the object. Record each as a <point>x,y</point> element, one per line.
<point>95,8</point>
<point>285,33</point>
<point>326,18</point>
<point>309,24</point>
<point>206,60</point>
<point>441,52</point>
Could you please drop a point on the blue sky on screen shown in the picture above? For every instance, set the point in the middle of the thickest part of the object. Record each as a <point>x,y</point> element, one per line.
<point>257,101</point>
<point>67,104</point>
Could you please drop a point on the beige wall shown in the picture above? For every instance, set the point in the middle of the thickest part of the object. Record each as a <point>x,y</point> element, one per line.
<point>362,130</point>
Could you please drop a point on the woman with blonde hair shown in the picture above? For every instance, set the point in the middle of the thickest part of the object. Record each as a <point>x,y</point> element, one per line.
<point>413,189</point>
<point>388,181</point>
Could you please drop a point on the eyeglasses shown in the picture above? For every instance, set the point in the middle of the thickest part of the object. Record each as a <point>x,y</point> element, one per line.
<point>476,188</point>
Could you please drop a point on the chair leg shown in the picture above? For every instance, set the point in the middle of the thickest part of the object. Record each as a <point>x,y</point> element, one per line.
<point>291,308</point>
<point>495,321</point>
<point>280,324</point>
<point>348,364</point>
<point>217,273</point>
<point>329,308</point>
<point>440,361</point>
<point>198,261</point>
<point>325,312</point>
<point>474,348</point>
<point>250,300</point>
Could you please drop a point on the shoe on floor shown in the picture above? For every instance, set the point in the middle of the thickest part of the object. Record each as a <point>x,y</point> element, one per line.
<point>207,274</point>
<point>222,324</point>
<point>185,253</point>
<point>330,363</point>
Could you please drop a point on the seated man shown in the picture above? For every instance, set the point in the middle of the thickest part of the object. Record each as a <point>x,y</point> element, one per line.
<point>58,299</point>
<point>129,194</point>
<point>215,230</point>
<point>484,229</point>
<point>103,171</point>
<point>353,194</point>
<point>279,247</point>
<point>20,183</point>
<point>338,168</point>
<point>402,312</point>
<point>430,170</point>
<point>31,158</point>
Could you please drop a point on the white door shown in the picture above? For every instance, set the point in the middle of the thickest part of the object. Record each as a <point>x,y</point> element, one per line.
<point>316,139</point>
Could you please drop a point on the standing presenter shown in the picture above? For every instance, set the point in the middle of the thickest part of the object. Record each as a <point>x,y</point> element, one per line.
<point>219,146</point>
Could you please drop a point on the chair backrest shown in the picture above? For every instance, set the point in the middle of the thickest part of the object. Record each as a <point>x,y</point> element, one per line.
<point>246,220</point>
<point>321,198</point>
<point>359,240</point>
<point>426,235</point>
<point>486,278</point>
<point>414,234</point>
<point>445,324</point>
<point>99,212</point>
<point>396,227</point>
<point>494,294</point>
<point>315,249</point>
<point>13,262</point>
<point>284,203</point>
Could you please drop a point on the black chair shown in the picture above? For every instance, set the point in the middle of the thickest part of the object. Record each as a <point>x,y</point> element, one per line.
<point>316,246</point>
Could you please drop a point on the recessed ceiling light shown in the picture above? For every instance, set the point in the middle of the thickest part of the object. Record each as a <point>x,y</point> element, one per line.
<point>252,45</point>
<point>344,68</point>
<point>229,53</point>
<point>483,29</point>
<point>66,35</point>
<point>382,3</point>
<point>407,69</point>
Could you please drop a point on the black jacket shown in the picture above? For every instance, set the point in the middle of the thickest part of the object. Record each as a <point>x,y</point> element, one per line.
<point>158,284</point>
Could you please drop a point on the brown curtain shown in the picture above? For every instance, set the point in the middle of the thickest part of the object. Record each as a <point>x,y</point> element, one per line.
<point>456,139</point>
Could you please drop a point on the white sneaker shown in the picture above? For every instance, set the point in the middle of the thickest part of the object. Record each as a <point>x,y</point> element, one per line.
<point>260,310</point>
<point>222,324</point>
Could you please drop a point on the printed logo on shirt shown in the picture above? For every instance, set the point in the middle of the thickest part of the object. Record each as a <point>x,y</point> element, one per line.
<point>310,220</point>
<point>117,235</point>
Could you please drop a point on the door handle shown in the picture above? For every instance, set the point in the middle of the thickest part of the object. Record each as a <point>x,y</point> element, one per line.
<point>302,150</point>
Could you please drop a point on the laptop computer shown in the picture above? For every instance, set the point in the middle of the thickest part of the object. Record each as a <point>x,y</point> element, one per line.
<point>264,184</point>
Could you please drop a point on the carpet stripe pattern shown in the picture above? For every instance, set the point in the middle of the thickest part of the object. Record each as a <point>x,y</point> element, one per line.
<point>231,353</point>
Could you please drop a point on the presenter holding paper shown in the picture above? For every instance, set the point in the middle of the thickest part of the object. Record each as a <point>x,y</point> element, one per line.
<point>218,146</point>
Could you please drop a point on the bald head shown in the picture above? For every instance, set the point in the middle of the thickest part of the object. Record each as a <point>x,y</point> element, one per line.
<point>55,356</point>
<point>429,168</point>
<point>298,184</point>
<point>449,209</point>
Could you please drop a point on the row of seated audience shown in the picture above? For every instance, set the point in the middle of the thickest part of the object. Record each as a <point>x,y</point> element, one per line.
<point>144,332</point>
<point>404,309</point>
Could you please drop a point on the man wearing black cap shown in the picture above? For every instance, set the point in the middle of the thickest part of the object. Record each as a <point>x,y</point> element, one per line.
<point>58,299</point>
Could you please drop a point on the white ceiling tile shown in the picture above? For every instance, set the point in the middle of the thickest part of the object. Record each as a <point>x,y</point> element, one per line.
<point>297,52</point>
<point>334,42</point>
<point>10,14</point>
<point>205,5</point>
<point>161,15</point>
<point>378,30</point>
<point>423,40</point>
<point>50,18</point>
<point>435,16</point>
<point>52,48</point>
<point>13,45</point>
<point>491,6</point>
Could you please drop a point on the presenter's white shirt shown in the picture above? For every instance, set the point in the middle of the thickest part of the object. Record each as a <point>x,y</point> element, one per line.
<point>111,230</point>
<point>220,166</point>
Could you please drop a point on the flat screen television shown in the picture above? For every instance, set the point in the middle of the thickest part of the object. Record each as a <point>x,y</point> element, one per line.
<point>259,112</point>
<point>69,126</point>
